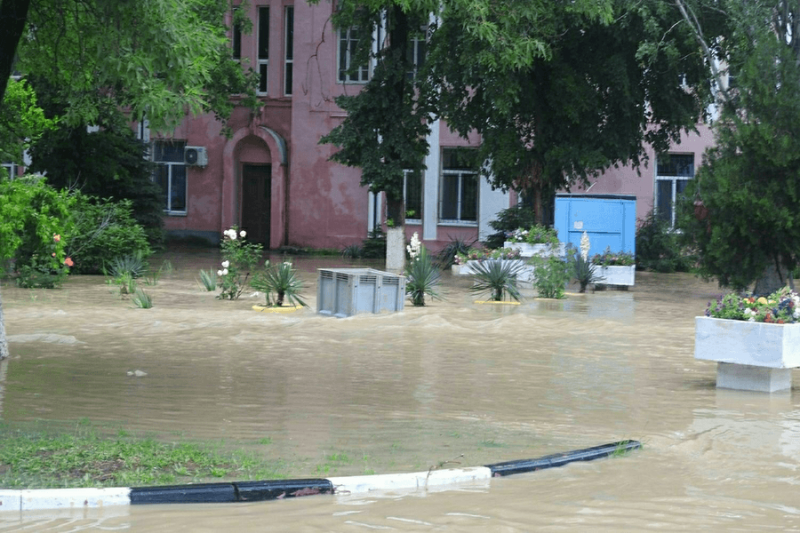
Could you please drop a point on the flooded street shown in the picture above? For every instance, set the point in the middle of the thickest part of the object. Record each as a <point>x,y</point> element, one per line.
<point>452,384</point>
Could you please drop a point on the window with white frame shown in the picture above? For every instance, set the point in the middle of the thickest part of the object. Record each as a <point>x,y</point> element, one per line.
<point>288,63</point>
<point>170,174</point>
<point>348,72</point>
<point>10,168</point>
<point>263,48</point>
<point>415,54</point>
<point>412,195</point>
<point>673,172</point>
<point>458,190</point>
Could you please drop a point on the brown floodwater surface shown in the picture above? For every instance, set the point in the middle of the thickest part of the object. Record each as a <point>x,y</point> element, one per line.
<point>452,384</point>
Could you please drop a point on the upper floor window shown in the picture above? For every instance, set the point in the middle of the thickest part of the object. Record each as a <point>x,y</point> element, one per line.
<point>289,51</point>
<point>348,71</point>
<point>673,172</point>
<point>415,54</point>
<point>170,174</point>
<point>236,36</point>
<point>412,194</point>
<point>263,48</point>
<point>458,190</point>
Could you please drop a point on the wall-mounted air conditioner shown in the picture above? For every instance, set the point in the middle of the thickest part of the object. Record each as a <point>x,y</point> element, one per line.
<point>196,156</point>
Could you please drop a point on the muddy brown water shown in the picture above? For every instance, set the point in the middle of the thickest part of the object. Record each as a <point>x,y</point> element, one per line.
<point>453,381</point>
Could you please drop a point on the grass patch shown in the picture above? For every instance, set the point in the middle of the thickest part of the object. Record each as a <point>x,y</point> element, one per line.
<point>83,458</point>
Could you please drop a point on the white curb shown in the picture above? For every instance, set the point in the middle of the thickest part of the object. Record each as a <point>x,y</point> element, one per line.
<point>33,500</point>
<point>415,480</point>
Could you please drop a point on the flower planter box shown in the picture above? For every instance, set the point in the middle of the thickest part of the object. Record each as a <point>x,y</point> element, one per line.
<point>752,356</point>
<point>343,292</point>
<point>543,250</point>
<point>615,275</point>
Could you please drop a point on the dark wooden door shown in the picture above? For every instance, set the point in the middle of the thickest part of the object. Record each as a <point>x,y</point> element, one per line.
<point>256,196</point>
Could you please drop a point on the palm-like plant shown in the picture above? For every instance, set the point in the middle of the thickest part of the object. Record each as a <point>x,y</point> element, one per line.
<point>280,279</point>
<point>584,272</point>
<point>422,278</point>
<point>498,278</point>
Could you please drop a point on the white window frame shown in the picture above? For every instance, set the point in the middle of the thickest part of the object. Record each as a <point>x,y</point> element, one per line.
<point>11,168</point>
<point>288,50</point>
<point>417,219</point>
<point>358,78</point>
<point>461,174</point>
<point>262,62</point>
<point>170,166</point>
<point>674,185</point>
<point>415,42</point>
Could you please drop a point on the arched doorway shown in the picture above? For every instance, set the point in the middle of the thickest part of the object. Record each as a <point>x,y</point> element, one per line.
<point>254,165</point>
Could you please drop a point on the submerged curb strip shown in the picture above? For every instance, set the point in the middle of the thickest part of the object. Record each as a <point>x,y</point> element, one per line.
<point>30,500</point>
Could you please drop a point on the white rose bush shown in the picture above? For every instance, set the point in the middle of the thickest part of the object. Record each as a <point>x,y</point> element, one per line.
<point>239,260</point>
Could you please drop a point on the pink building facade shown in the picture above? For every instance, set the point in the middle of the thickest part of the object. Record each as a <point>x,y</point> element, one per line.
<point>273,178</point>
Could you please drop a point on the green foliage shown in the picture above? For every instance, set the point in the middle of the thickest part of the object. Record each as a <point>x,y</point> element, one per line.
<point>22,121</point>
<point>85,458</point>
<point>374,246</point>
<point>552,275</point>
<point>39,273</point>
<point>730,307</point>
<point>141,299</point>
<point>604,84</point>
<point>132,264</point>
<point>508,220</point>
<point>103,231</point>
<point>497,278</point>
<point>279,281</point>
<point>209,280</point>
<point>659,248</point>
<point>609,258</point>
<point>447,255</point>
<point>153,276</point>
<point>780,307</point>
<point>239,260</point>
<point>159,59</point>
<point>741,211</point>
<point>582,271</point>
<point>33,218</point>
<point>353,251</point>
<point>422,277</point>
<point>109,163</point>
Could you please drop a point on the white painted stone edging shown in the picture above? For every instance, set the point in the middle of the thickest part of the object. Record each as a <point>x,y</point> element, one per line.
<point>415,480</point>
<point>33,500</point>
<point>615,274</point>
<point>753,356</point>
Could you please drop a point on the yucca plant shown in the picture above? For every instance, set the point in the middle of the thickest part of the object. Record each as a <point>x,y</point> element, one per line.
<point>352,251</point>
<point>422,277</point>
<point>281,280</point>
<point>209,280</point>
<point>457,245</point>
<point>583,271</point>
<point>498,278</point>
<point>142,300</point>
<point>133,264</point>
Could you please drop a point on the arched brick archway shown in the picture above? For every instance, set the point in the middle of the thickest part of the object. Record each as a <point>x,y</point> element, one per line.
<point>278,159</point>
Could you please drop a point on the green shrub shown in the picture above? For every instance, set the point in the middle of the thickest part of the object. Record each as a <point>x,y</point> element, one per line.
<point>239,260</point>
<point>497,278</point>
<point>422,274</point>
<point>104,230</point>
<point>518,216</point>
<point>552,275</point>
<point>375,246</point>
<point>658,247</point>
<point>281,280</point>
<point>456,246</point>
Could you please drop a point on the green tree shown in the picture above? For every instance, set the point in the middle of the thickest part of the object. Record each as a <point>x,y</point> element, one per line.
<point>22,121</point>
<point>741,211</point>
<point>603,83</point>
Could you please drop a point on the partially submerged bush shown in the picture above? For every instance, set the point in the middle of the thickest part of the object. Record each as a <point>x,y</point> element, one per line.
<point>497,278</point>
<point>658,247</point>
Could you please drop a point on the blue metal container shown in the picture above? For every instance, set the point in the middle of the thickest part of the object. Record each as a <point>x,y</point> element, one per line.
<point>608,219</point>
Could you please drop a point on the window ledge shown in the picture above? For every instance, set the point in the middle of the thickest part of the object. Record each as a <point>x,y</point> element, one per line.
<point>457,223</point>
<point>175,213</point>
<point>413,222</point>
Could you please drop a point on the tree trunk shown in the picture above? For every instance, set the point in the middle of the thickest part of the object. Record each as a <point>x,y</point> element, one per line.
<point>14,14</point>
<point>3,340</point>
<point>773,279</point>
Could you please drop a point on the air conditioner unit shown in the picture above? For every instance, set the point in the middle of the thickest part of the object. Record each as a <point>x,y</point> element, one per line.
<point>196,156</point>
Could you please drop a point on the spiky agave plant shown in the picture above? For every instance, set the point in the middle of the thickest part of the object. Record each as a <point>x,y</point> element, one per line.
<point>280,279</point>
<point>497,278</point>
<point>423,278</point>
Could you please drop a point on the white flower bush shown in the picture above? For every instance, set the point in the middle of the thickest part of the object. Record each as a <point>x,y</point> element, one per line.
<point>415,247</point>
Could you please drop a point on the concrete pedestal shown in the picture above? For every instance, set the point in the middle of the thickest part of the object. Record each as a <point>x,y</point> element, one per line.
<point>395,250</point>
<point>754,378</point>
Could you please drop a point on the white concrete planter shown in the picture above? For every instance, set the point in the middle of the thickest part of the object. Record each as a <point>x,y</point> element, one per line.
<point>543,250</point>
<point>525,275</point>
<point>751,355</point>
<point>615,275</point>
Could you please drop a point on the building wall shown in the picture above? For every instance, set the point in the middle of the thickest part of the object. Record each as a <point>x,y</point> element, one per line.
<point>315,202</point>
